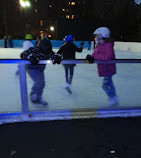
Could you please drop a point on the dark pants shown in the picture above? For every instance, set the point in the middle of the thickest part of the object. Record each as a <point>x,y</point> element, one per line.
<point>108,86</point>
<point>5,43</point>
<point>39,81</point>
<point>69,69</point>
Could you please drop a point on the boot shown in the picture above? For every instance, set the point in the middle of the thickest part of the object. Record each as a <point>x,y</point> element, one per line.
<point>33,97</point>
<point>41,101</point>
<point>68,87</point>
<point>113,101</point>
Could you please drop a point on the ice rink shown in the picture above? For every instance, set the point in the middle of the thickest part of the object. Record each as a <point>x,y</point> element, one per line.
<point>87,92</point>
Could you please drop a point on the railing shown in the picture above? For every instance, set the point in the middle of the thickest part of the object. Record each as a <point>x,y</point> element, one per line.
<point>78,105</point>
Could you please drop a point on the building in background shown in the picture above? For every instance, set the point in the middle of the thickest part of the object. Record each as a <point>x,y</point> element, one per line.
<point>56,18</point>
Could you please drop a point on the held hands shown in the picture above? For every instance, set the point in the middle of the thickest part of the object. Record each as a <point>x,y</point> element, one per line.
<point>90,59</point>
<point>56,59</point>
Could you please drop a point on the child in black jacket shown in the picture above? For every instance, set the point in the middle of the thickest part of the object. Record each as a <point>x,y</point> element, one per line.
<point>35,70</point>
<point>68,51</point>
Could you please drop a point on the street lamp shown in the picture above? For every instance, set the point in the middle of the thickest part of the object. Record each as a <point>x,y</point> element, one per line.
<point>24,4</point>
<point>52,28</point>
<point>27,4</point>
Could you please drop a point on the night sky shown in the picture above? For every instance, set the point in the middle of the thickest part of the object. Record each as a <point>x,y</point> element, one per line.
<point>122,16</point>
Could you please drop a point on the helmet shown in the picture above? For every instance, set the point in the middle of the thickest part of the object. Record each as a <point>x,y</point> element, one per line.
<point>28,37</point>
<point>103,32</point>
<point>45,45</point>
<point>69,38</point>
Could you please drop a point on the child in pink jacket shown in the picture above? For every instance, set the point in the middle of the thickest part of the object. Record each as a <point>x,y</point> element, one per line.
<point>104,51</point>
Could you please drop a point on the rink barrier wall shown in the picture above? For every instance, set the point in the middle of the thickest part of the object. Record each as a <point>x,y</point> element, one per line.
<point>119,46</point>
<point>76,61</point>
<point>35,116</point>
<point>55,43</point>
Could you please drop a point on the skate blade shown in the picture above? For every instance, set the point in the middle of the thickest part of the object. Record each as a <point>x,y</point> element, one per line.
<point>44,104</point>
<point>37,102</point>
<point>68,90</point>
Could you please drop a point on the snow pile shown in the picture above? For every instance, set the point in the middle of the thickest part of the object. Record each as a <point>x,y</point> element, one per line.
<point>128,46</point>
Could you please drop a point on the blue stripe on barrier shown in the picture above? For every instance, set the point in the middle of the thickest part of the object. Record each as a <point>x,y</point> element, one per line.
<point>77,61</point>
<point>3,115</point>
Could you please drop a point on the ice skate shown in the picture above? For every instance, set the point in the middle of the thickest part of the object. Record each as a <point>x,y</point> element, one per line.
<point>68,88</point>
<point>113,101</point>
<point>33,97</point>
<point>35,100</point>
<point>41,101</point>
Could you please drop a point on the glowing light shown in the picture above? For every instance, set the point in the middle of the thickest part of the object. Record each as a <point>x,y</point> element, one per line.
<point>24,3</point>
<point>72,3</point>
<point>41,33</point>
<point>27,4</point>
<point>52,28</point>
<point>67,16</point>
<point>72,16</point>
<point>49,61</point>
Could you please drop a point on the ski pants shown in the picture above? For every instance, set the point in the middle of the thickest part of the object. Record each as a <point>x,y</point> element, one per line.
<point>39,81</point>
<point>108,86</point>
<point>69,69</point>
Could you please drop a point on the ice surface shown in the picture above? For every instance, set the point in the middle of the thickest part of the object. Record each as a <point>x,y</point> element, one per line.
<point>86,86</point>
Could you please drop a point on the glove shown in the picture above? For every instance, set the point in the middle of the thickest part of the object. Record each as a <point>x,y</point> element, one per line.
<point>90,59</point>
<point>24,55</point>
<point>82,44</point>
<point>56,58</point>
<point>33,59</point>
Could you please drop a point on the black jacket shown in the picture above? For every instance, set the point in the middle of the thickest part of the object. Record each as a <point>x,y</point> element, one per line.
<point>68,50</point>
<point>38,53</point>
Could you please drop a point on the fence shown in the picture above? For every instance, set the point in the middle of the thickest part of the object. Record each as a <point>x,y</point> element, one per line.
<point>83,103</point>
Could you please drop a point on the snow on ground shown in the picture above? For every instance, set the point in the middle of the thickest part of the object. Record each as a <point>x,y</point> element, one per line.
<point>86,86</point>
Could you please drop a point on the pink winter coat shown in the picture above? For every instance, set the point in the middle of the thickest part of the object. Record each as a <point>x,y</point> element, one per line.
<point>105,52</point>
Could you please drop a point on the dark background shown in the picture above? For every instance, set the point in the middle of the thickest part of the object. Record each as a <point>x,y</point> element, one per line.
<point>123,17</point>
